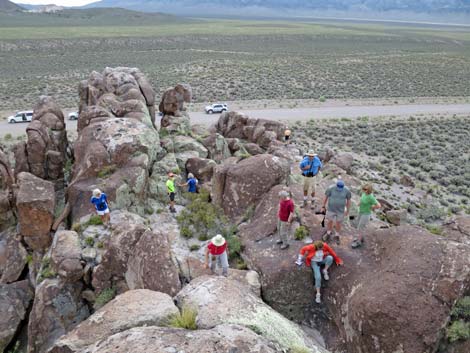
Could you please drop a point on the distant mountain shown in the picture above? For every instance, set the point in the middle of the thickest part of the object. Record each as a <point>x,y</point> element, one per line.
<point>198,6</point>
<point>7,6</point>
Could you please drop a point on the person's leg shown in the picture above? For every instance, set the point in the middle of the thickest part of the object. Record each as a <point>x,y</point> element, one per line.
<point>224,261</point>
<point>313,186</point>
<point>279,240</point>
<point>306,186</point>
<point>361,226</point>
<point>330,217</point>
<point>327,261</point>
<point>338,222</point>
<point>212,263</point>
<point>283,233</point>
<point>317,277</point>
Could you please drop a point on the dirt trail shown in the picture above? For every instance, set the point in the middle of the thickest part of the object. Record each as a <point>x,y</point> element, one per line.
<point>302,114</point>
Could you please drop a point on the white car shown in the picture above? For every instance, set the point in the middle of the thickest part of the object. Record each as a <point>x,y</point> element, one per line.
<point>21,117</point>
<point>73,116</point>
<point>216,108</point>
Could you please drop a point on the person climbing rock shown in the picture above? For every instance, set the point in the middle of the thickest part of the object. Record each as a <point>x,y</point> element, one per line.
<point>316,255</point>
<point>310,166</point>
<point>287,134</point>
<point>170,186</point>
<point>285,217</point>
<point>191,183</point>
<point>217,254</point>
<point>336,203</point>
<point>367,204</point>
<point>100,201</point>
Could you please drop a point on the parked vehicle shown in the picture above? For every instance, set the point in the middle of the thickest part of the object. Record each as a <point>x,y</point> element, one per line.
<point>21,117</point>
<point>216,108</point>
<point>73,116</point>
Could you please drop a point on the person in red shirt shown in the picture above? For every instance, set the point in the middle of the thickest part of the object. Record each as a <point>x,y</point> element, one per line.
<point>316,254</point>
<point>285,218</point>
<point>217,254</point>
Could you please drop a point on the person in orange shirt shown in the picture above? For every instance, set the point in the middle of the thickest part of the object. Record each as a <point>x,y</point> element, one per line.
<point>316,254</point>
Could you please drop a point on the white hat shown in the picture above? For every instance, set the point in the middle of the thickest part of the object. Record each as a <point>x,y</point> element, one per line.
<point>190,175</point>
<point>218,240</point>
<point>96,193</point>
<point>311,153</point>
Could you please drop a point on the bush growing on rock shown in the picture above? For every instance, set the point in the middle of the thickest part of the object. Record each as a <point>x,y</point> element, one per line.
<point>458,330</point>
<point>301,233</point>
<point>185,319</point>
<point>104,297</point>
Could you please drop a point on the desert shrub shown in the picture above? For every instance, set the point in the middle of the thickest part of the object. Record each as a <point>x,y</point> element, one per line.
<point>194,247</point>
<point>46,270</point>
<point>94,220</point>
<point>299,349</point>
<point>458,330</point>
<point>107,171</point>
<point>434,229</point>
<point>322,99</point>
<point>462,308</point>
<point>185,319</point>
<point>8,137</point>
<point>241,264</point>
<point>186,232</point>
<point>90,241</point>
<point>148,210</point>
<point>105,296</point>
<point>77,227</point>
<point>301,233</point>
<point>234,245</point>
<point>100,245</point>
<point>431,212</point>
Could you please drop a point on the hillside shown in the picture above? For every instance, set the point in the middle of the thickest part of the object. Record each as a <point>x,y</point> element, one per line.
<point>87,17</point>
<point>7,6</point>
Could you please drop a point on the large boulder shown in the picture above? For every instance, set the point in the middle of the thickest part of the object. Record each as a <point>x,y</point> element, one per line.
<point>217,146</point>
<point>458,229</point>
<point>14,303</point>
<point>134,308</point>
<point>344,161</point>
<point>236,187</point>
<point>35,203</point>
<point>57,309</point>
<point>173,99</point>
<point>224,301</point>
<point>66,256</point>
<point>202,168</point>
<point>7,217</point>
<point>186,143</point>
<point>12,257</point>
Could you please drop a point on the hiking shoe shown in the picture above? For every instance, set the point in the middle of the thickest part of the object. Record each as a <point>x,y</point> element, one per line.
<point>284,246</point>
<point>172,210</point>
<point>318,298</point>
<point>326,236</point>
<point>312,206</point>
<point>356,243</point>
<point>325,275</point>
<point>337,240</point>
<point>279,241</point>
<point>304,204</point>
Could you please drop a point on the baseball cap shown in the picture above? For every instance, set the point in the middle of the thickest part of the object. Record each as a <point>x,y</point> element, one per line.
<point>340,184</point>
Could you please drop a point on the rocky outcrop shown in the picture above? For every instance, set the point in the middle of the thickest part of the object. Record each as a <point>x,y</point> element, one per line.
<point>35,202</point>
<point>343,160</point>
<point>117,144</point>
<point>202,168</point>
<point>223,301</point>
<point>12,257</point>
<point>217,146</point>
<point>57,309</point>
<point>134,308</point>
<point>7,217</point>
<point>458,229</point>
<point>172,102</point>
<point>236,187</point>
<point>396,217</point>
<point>66,256</point>
<point>44,153</point>
<point>14,302</point>
<point>131,255</point>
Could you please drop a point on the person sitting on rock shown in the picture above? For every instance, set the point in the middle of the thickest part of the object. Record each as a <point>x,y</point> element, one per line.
<point>310,166</point>
<point>217,254</point>
<point>100,201</point>
<point>285,217</point>
<point>367,204</point>
<point>315,255</point>
<point>191,183</point>
<point>170,186</point>
<point>336,204</point>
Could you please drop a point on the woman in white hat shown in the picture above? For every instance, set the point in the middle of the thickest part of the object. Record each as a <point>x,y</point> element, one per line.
<point>100,200</point>
<point>217,253</point>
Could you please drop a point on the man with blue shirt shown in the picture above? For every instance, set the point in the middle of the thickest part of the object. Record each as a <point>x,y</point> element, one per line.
<point>310,167</point>
<point>100,200</point>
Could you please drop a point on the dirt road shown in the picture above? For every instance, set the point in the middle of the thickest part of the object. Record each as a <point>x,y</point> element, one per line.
<point>295,114</point>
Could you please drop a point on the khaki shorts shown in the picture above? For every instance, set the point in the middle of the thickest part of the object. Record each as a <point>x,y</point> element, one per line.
<point>335,216</point>
<point>310,183</point>
<point>363,221</point>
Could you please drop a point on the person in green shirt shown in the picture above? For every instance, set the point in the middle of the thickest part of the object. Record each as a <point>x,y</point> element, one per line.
<point>367,204</point>
<point>170,187</point>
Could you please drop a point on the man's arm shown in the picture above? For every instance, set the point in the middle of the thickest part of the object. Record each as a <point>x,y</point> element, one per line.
<point>206,264</point>
<point>324,202</point>
<point>348,205</point>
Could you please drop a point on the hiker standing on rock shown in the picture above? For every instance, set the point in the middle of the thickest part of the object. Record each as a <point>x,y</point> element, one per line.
<point>191,183</point>
<point>217,254</point>
<point>310,166</point>
<point>336,204</point>
<point>285,217</point>
<point>318,254</point>
<point>100,200</point>
<point>287,134</point>
<point>170,187</point>
<point>367,204</point>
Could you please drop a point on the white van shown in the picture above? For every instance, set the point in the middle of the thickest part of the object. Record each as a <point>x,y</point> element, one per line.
<point>21,117</point>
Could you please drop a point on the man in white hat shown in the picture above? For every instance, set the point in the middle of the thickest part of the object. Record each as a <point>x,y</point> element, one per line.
<point>217,253</point>
<point>100,200</point>
<point>310,167</point>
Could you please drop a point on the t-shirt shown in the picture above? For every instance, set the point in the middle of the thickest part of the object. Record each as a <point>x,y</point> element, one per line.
<point>101,203</point>
<point>315,164</point>
<point>318,257</point>
<point>192,182</point>
<point>367,201</point>
<point>216,250</point>
<point>337,198</point>
<point>286,207</point>
<point>170,185</point>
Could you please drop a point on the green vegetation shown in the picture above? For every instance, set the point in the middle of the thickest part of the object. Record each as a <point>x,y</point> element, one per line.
<point>462,308</point>
<point>459,328</point>
<point>8,137</point>
<point>77,227</point>
<point>104,297</point>
<point>46,270</point>
<point>248,62</point>
<point>185,319</point>
<point>194,247</point>
<point>94,220</point>
<point>299,349</point>
<point>434,229</point>
<point>90,241</point>
<point>301,233</point>
<point>106,171</point>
